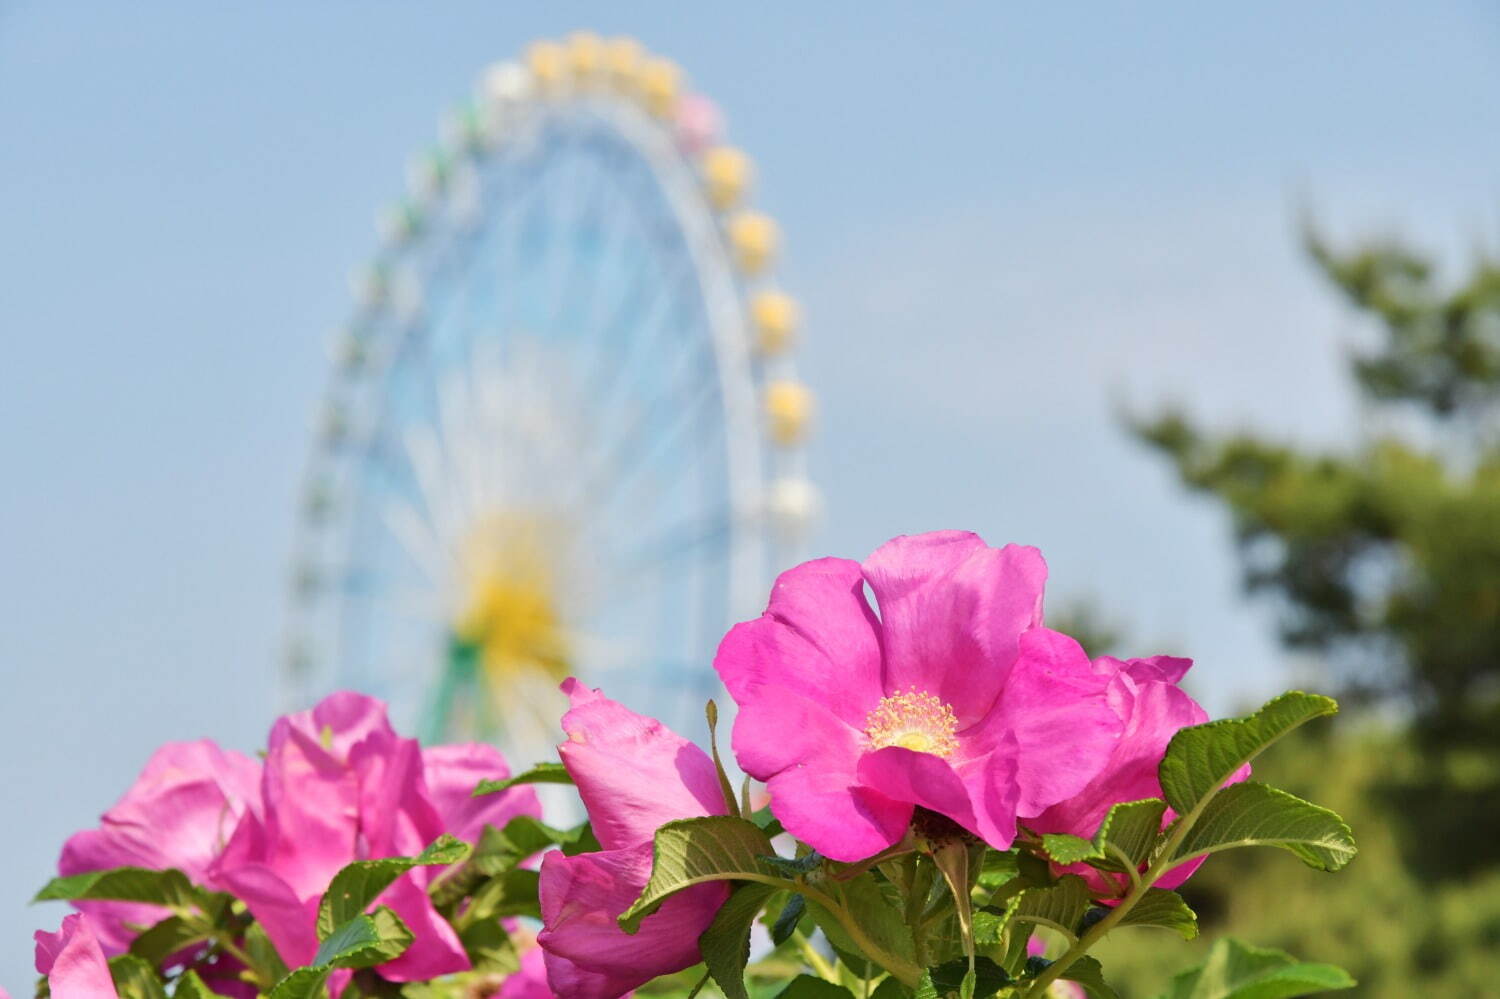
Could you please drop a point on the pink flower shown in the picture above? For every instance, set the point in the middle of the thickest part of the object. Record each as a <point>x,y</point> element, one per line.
<point>947,700</point>
<point>530,982</point>
<point>1146,696</point>
<point>339,785</point>
<point>179,813</point>
<point>73,961</point>
<point>634,774</point>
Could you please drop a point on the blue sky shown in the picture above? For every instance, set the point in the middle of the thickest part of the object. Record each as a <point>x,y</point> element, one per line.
<point>1003,224</point>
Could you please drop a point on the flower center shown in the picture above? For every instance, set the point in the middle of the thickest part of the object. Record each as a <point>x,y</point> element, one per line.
<point>913,720</point>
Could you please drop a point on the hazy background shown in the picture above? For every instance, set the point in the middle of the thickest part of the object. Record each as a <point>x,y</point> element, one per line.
<point>1002,226</point>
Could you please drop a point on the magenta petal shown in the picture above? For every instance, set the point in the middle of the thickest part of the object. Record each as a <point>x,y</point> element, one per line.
<point>290,922</point>
<point>396,817</point>
<point>951,609</point>
<point>807,758</point>
<point>435,949</point>
<point>581,898</point>
<point>530,980</point>
<point>818,638</point>
<point>73,961</point>
<point>1058,708</point>
<point>453,772</point>
<point>633,773</point>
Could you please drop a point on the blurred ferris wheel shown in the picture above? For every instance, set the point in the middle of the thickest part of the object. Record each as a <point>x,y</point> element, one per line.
<point>563,432</point>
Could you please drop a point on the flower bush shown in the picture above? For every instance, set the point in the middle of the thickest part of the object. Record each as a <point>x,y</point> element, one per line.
<point>958,801</point>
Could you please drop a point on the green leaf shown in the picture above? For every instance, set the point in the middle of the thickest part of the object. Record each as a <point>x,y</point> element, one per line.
<point>1128,833</point>
<point>1060,906</point>
<point>490,948</point>
<point>890,987</point>
<point>265,961</point>
<point>731,804</point>
<point>1236,971</point>
<point>808,987</point>
<point>1088,973</point>
<point>1166,909</point>
<point>1202,757</point>
<point>541,773</point>
<point>304,983</point>
<point>170,888</point>
<point>1066,849</point>
<point>190,986</point>
<point>357,885</point>
<point>787,919</point>
<point>880,921</point>
<point>1254,814</point>
<point>694,851</point>
<point>135,979</point>
<point>513,893</point>
<point>948,977</point>
<point>166,938</point>
<point>725,945</point>
<point>365,941</point>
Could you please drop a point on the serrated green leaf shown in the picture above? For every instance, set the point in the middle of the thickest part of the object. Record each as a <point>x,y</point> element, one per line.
<point>541,773</point>
<point>1237,971</point>
<point>170,888</point>
<point>134,978</point>
<point>725,945</point>
<point>1060,906</point>
<point>304,983</point>
<point>688,852</point>
<point>1202,757</point>
<point>355,887</point>
<point>1255,814</point>
<point>890,987</point>
<point>190,986</point>
<point>880,921</point>
<point>1088,973</point>
<point>365,941</point>
<point>1128,834</point>
<point>808,987</point>
<point>1066,849</point>
<point>1166,909</point>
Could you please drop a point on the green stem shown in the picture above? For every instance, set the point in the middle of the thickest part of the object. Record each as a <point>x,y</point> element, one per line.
<point>1159,866</point>
<point>816,961</point>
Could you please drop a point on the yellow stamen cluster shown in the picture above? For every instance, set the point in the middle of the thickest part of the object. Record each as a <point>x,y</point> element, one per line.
<point>914,720</point>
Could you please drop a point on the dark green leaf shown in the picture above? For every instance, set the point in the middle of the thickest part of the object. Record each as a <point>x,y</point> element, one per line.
<point>1253,814</point>
<point>541,773</point>
<point>1166,909</point>
<point>694,851</point>
<point>490,948</point>
<point>304,983</point>
<point>1236,971</point>
<point>265,962</point>
<point>725,945</point>
<point>1201,758</point>
<point>1060,907</point>
<point>880,921</point>
<point>355,888</point>
<point>948,978</point>
<point>1128,834</point>
<point>786,922</point>
<point>513,893</point>
<point>166,938</point>
<point>1087,972</point>
<point>890,987</point>
<point>808,987</point>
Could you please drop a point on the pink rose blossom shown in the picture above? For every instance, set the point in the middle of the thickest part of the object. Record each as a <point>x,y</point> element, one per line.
<point>339,785</point>
<point>73,961</point>
<point>1146,696</point>
<point>946,700</point>
<point>179,813</point>
<point>633,774</point>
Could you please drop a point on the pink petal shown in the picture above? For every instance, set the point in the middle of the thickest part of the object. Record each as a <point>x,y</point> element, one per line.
<point>530,980</point>
<point>452,774</point>
<point>807,757</point>
<point>818,638</point>
<point>436,949</point>
<point>633,773</point>
<point>73,961</point>
<point>981,800</point>
<point>952,609</point>
<point>581,898</point>
<point>1058,708</point>
<point>291,922</point>
<point>396,817</point>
